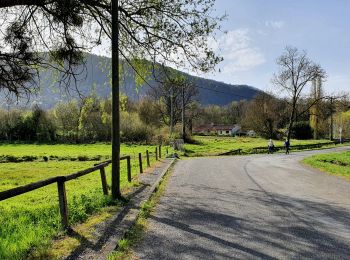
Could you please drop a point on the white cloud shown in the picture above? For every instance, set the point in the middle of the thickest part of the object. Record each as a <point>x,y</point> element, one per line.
<point>237,50</point>
<point>275,24</point>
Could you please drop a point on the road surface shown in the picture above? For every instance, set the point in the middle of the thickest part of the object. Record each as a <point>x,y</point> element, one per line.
<point>250,207</point>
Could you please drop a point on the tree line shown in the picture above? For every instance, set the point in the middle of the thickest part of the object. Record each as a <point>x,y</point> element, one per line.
<point>149,119</point>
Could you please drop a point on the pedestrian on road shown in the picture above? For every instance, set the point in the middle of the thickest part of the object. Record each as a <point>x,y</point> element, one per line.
<point>286,146</point>
<point>270,146</point>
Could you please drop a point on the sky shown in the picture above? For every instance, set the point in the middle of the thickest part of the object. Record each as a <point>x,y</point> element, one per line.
<point>256,32</point>
<point>259,30</point>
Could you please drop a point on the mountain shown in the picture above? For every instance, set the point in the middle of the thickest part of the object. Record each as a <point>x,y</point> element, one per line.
<point>95,79</point>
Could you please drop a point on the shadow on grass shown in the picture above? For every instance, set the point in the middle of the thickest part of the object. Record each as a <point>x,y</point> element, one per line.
<point>105,230</point>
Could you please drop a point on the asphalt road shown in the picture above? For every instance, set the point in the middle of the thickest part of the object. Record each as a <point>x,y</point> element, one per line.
<point>250,207</point>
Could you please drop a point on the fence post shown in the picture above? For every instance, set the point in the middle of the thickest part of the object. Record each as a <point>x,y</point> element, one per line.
<point>147,157</point>
<point>128,161</point>
<point>160,151</point>
<point>62,199</point>
<point>140,162</point>
<point>103,180</point>
<point>156,153</point>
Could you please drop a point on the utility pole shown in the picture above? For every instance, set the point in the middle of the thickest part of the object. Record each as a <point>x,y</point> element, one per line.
<point>171,110</point>
<point>331,124</point>
<point>183,113</point>
<point>115,103</point>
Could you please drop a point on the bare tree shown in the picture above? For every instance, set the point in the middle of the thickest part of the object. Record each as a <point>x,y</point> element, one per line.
<point>168,97</point>
<point>168,31</point>
<point>296,71</point>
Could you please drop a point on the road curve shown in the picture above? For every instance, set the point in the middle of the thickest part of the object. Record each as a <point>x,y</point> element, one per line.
<point>250,207</point>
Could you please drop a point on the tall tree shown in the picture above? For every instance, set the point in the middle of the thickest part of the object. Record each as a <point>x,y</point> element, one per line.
<point>168,31</point>
<point>296,71</point>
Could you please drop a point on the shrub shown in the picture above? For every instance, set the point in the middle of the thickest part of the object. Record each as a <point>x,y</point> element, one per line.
<point>133,129</point>
<point>302,130</point>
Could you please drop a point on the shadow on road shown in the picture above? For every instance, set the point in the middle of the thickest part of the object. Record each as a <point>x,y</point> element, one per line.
<point>250,224</point>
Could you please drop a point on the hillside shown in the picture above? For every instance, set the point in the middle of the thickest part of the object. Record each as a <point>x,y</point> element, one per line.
<point>96,80</point>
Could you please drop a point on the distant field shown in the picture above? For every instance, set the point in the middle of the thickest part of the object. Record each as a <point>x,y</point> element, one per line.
<point>333,163</point>
<point>32,220</point>
<point>212,145</point>
<point>85,152</point>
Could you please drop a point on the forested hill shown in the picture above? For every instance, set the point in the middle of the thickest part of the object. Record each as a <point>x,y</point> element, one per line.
<point>96,80</point>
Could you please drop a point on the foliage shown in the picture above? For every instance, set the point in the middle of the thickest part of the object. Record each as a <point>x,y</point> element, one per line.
<point>265,115</point>
<point>133,129</point>
<point>169,31</point>
<point>29,126</point>
<point>302,130</point>
<point>342,120</point>
<point>87,121</point>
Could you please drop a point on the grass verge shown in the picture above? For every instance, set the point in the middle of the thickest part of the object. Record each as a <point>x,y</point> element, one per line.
<point>214,145</point>
<point>135,234</point>
<point>332,163</point>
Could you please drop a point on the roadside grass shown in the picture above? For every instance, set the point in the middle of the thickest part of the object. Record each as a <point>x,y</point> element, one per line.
<point>135,234</point>
<point>29,222</point>
<point>214,145</point>
<point>332,163</point>
<point>64,245</point>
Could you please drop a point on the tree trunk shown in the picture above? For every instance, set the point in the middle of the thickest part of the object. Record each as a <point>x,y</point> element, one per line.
<point>291,120</point>
<point>115,104</point>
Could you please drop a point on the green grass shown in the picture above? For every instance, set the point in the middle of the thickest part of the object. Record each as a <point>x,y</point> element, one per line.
<point>213,145</point>
<point>83,152</point>
<point>333,163</point>
<point>31,220</point>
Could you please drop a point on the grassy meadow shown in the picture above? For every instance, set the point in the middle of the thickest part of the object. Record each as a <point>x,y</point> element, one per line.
<point>333,163</point>
<point>213,145</point>
<point>31,220</point>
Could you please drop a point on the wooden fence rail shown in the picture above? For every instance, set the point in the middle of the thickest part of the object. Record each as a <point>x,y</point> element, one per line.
<point>293,147</point>
<point>61,180</point>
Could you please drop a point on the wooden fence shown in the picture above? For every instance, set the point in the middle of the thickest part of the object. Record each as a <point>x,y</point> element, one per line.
<point>61,180</point>
<point>264,149</point>
<point>293,147</point>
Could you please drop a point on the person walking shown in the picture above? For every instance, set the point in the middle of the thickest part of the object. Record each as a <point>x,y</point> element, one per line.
<point>286,146</point>
<point>270,146</point>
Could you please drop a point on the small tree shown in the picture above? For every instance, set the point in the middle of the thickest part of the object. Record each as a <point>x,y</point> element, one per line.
<point>296,71</point>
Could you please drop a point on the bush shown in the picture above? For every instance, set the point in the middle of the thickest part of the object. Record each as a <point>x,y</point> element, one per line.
<point>302,130</point>
<point>133,129</point>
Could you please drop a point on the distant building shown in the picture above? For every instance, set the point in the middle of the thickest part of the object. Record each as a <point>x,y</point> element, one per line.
<point>212,129</point>
<point>251,133</point>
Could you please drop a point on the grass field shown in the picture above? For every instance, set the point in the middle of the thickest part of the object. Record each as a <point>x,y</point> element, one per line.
<point>333,163</point>
<point>212,145</point>
<point>31,220</point>
<point>83,152</point>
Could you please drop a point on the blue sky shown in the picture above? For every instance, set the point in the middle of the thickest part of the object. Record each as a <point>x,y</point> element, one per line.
<point>259,30</point>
